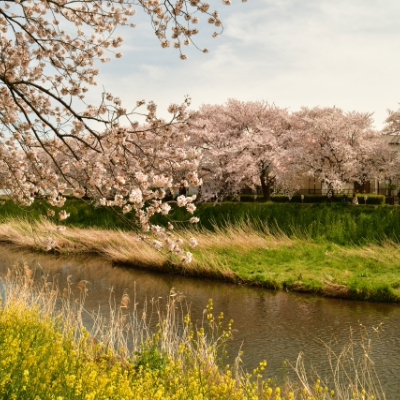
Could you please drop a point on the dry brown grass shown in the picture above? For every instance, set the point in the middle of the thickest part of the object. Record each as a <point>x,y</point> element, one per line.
<point>353,374</point>
<point>127,248</point>
<point>118,246</point>
<point>388,252</point>
<point>241,236</point>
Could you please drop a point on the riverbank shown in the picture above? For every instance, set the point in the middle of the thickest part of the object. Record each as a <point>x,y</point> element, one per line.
<point>237,253</point>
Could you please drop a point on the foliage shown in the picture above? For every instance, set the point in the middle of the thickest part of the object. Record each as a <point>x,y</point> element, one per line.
<point>337,222</point>
<point>38,362</point>
<point>238,254</point>
<point>271,245</point>
<point>245,198</point>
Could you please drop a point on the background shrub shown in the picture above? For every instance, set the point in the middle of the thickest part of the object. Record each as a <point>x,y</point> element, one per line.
<point>308,198</point>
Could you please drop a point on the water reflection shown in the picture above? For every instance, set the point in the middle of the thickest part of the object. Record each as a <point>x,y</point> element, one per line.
<point>270,325</point>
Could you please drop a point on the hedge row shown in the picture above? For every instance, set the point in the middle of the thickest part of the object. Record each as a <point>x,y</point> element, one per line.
<point>309,198</point>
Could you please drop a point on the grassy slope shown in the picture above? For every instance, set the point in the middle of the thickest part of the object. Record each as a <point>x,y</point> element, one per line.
<point>335,250</point>
<point>368,272</point>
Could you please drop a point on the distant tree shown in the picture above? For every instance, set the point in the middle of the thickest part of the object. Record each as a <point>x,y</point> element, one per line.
<point>376,160</point>
<point>392,123</point>
<point>209,134</point>
<point>389,149</point>
<point>333,146</point>
<point>242,144</point>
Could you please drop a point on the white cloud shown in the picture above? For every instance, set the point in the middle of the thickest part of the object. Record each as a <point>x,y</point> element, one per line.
<point>289,52</point>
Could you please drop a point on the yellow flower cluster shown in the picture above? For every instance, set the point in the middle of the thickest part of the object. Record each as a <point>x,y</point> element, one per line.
<point>38,362</point>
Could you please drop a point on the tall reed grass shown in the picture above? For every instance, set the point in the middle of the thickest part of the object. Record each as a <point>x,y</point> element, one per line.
<point>343,224</point>
<point>52,347</point>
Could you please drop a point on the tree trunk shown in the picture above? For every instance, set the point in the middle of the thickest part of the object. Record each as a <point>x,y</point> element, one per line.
<point>265,186</point>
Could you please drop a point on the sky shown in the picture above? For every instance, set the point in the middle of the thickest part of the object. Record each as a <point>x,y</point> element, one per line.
<point>293,53</point>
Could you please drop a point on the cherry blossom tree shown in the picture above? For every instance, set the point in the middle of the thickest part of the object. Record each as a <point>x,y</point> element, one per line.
<point>376,159</point>
<point>208,134</point>
<point>333,146</point>
<point>250,144</point>
<point>51,139</point>
<point>242,145</point>
<point>392,123</point>
<point>389,167</point>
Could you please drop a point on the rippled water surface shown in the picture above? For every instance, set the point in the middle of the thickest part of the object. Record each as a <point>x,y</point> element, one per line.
<point>274,326</point>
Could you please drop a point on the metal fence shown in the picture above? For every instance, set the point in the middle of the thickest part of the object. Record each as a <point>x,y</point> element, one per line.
<point>383,192</point>
<point>391,196</point>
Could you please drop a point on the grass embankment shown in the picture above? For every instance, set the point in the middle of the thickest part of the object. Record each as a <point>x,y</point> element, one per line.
<point>342,224</point>
<point>333,250</point>
<point>48,355</point>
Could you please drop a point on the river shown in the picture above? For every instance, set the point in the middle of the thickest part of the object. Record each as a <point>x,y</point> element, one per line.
<point>275,326</point>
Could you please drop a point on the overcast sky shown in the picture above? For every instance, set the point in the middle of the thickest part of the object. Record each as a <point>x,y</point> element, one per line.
<point>343,53</point>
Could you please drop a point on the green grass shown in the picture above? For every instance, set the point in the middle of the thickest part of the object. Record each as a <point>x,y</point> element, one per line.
<point>338,223</point>
<point>369,272</point>
<point>82,214</point>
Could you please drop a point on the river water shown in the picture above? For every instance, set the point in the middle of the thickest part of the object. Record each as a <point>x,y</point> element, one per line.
<point>272,326</point>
